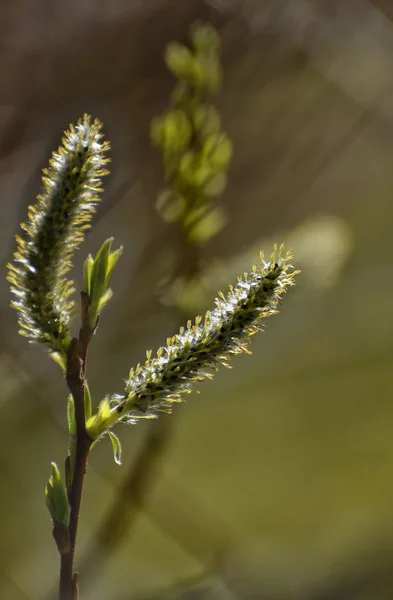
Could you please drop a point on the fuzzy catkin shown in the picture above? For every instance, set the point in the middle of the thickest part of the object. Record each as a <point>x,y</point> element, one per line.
<point>55,227</point>
<point>197,351</point>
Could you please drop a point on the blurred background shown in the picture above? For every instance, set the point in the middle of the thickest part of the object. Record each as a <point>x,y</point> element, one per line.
<point>277,481</point>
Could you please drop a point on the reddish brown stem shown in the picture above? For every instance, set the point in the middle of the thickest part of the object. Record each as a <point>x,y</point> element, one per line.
<point>75,376</point>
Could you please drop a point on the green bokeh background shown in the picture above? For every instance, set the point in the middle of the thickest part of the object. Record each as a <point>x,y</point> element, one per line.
<point>275,482</point>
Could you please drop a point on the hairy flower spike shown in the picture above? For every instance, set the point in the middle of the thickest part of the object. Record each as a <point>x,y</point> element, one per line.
<point>55,227</point>
<point>196,352</point>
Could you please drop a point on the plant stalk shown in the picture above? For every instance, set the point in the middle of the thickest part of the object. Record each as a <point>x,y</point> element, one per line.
<point>76,376</point>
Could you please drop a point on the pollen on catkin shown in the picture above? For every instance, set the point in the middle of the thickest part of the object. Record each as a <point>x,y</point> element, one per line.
<point>54,228</point>
<point>199,349</point>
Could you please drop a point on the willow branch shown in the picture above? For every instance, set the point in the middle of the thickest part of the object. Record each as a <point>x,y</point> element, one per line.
<point>76,376</point>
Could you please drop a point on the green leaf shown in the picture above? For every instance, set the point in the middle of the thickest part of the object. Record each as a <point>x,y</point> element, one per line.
<point>88,403</point>
<point>103,265</point>
<point>87,269</point>
<point>104,409</point>
<point>99,271</point>
<point>100,421</point>
<point>56,497</point>
<point>96,308</point>
<point>71,417</point>
<point>116,447</point>
<point>55,473</point>
<point>60,359</point>
<point>112,261</point>
<point>104,300</point>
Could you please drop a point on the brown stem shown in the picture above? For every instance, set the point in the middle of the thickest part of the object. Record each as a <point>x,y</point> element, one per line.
<point>66,569</point>
<point>75,376</point>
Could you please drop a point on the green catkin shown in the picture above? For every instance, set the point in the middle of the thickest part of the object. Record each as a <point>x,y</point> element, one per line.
<point>197,351</point>
<point>196,153</point>
<point>55,227</point>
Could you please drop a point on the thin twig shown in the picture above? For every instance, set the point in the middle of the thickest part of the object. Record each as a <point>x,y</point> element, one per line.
<point>75,376</point>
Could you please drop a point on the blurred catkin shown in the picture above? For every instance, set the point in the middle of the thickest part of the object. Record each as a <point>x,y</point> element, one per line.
<point>196,154</point>
<point>55,226</point>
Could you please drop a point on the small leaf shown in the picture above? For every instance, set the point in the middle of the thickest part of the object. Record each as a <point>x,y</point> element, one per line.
<point>100,421</point>
<point>116,447</point>
<point>71,417</point>
<point>55,472</point>
<point>87,269</point>
<point>59,358</point>
<point>104,409</point>
<point>103,265</point>
<point>104,300</point>
<point>56,497</point>
<point>88,403</point>
<point>112,261</point>
<point>99,271</point>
